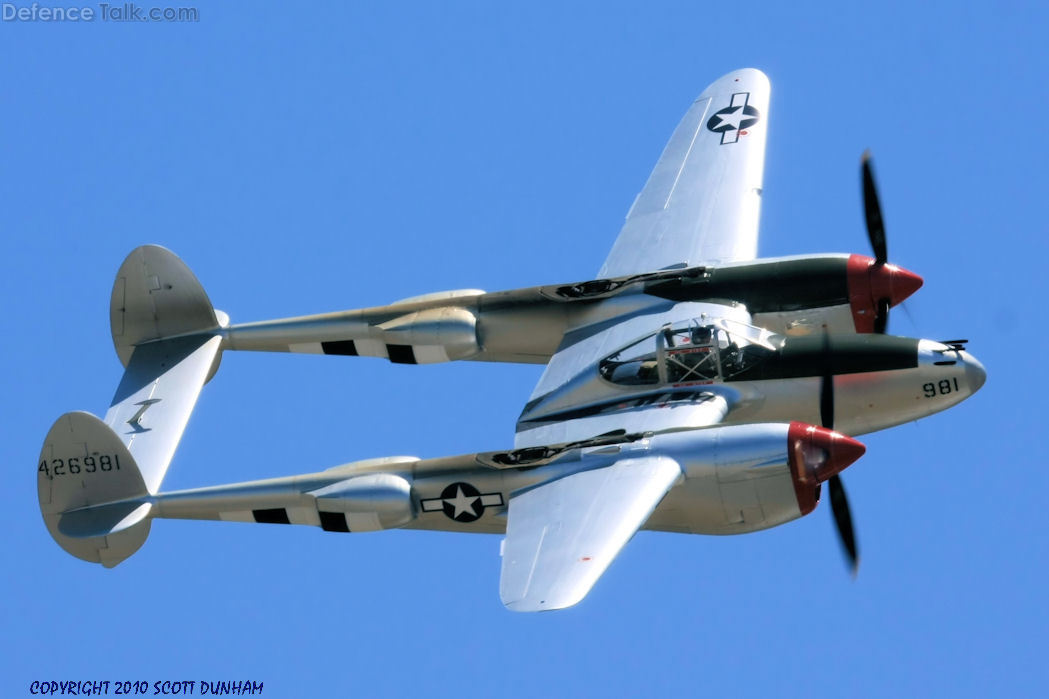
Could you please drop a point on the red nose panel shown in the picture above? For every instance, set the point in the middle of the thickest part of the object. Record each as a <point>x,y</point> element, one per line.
<point>815,454</point>
<point>869,282</point>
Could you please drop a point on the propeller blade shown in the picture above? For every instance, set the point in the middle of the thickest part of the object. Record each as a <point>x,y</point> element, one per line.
<point>881,317</point>
<point>827,386</point>
<point>839,504</point>
<point>872,210</point>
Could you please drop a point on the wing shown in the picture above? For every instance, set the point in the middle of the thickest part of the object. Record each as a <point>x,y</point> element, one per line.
<point>561,536</point>
<point>702,201</point>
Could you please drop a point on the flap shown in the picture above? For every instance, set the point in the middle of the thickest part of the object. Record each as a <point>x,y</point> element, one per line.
<point>561,536</point>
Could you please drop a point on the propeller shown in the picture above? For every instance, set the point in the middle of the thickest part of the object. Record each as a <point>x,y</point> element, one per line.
<point>872,210</point>
<point>839,501</point>
<point>881,317</point>
<point>839,505</point>
<point>876,235</point>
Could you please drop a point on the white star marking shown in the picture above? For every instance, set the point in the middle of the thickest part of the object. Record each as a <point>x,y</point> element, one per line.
<point>462,503</point>
<point>732,119</point>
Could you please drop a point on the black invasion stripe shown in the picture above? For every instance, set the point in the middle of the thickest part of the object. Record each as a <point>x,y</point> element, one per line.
<point>343,347</point>
<point>333,522</point>
<point>401,354</point>
<point>277,515</point>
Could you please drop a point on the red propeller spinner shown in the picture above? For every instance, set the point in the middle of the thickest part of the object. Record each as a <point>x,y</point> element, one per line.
<point>873,284</point>
<point>815,454</point>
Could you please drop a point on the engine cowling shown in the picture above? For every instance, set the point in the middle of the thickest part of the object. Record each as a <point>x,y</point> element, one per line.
<point>743,478</point>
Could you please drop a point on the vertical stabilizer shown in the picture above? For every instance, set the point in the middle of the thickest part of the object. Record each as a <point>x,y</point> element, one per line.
<point>90,491</point>
<point>155,296</point>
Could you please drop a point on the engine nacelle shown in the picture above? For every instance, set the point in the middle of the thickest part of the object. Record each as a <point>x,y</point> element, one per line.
<point>747,477</point>
<point>365,503</point>
<point>804,294</point>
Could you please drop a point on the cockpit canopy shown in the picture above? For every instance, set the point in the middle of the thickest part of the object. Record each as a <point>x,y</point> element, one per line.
<point>698,350</point>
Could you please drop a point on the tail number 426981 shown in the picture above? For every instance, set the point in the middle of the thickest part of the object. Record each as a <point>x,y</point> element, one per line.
<point>76,465</point>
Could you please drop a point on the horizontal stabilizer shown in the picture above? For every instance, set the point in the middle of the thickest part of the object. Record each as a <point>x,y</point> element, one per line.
<point>155,397</point>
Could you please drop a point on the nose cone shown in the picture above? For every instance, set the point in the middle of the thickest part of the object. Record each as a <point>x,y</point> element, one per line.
<point>825,453</point>
<point>902,283</point>
<point>841,452</point>
<point>871,284</point>
<point>975,374</point>
<point>814,455</point>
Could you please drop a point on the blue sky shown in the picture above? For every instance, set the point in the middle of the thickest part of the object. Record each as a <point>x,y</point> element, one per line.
<point>306,159</point>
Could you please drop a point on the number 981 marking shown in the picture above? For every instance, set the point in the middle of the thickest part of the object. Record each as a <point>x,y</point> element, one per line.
<point>940,388</point>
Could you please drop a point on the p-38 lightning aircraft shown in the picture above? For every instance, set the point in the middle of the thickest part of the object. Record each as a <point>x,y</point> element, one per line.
<point>690,388</point>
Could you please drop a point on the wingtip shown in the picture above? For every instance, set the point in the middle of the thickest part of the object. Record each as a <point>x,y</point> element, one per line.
<point>752,79</point>
<point>533,605</point>
<point>749,75</point>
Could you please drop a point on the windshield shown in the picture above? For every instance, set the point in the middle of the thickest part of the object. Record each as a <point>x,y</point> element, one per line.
<point>694,351</point>
<point>634,365</point>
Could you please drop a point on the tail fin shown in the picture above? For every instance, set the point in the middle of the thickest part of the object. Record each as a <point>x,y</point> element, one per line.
<point>157,296</point>
<point>166,334</point>
<point>91,491</point>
